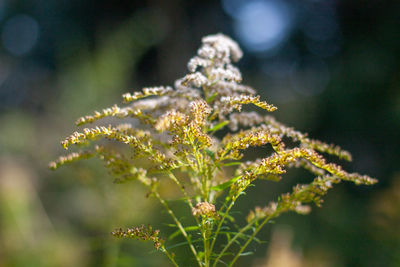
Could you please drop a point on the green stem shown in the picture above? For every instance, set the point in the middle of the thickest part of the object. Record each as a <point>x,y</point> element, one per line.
<point>233,200</point>
<point>244,229</point>
<point>252,236</point>
<point>188,200</point>
<point>221,222</point>
<point>181,228</point>
<point>170,257</point>
<point>181,187</point>
<point>203,179</point>
<point>205,243</point>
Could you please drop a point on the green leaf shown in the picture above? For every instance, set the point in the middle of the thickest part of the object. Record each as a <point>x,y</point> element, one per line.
<point>201,255</point>
<point>212,97</point>
<point>227,253</point>
<point>184,243</point>
<point>242,236</point>
<point>210,153</point>
<point>270,177</point>
<point>187,229</point>
<point>228,237</point>
<point>218,126</point>
<point>230,218</point>
<point>225,185</point>
<point>246,253</point>
<point>218,165</point>
<point>170,225</point>
<point>234,163</point>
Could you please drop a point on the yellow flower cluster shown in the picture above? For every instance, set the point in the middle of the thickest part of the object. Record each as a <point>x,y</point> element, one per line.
<point>236,102</point>
<point>148,91</point>
<point>172,120</point>
<point>204,209</point>
<point>175,129</point>
<point>142,233</point>
<point>75,156</point>
<point>246,139</point>
<point>114,111</point>
<point>98,132</point>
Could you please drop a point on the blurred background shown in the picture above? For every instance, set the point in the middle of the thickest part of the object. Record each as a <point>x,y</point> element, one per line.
<point>332,67</point>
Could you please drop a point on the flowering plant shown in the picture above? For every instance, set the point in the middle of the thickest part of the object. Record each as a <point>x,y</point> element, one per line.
<point>175,129</point>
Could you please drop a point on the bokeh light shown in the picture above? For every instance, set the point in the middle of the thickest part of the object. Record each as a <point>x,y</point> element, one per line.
<point>20,34</point>
<point>260,25</point>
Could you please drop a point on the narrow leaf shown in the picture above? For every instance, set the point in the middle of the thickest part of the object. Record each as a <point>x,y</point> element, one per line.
<point>225,185</point>
<point>210,153</point>
<point>246,253</point>
<point>234,163</point>
<point>229,217</point>
<point>178,232</point>
<point>218,126</point>
<point>212,97</point>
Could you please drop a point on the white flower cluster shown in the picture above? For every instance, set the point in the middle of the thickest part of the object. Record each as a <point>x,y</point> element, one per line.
<point>213,63</point>
<point>223,46</point>
<point>211,75</point>
<point>148,91</point>
<point>245,119</point>
<point>196,79</point>
<point>230,73</point>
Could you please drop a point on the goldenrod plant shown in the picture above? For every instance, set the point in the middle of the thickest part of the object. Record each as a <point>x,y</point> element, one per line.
<point>175,129</point>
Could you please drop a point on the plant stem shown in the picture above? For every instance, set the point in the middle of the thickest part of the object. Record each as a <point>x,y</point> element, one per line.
<point>170,257</point>
<point>206,243</point>
<point>253,235</point>
<point>244,229</point>
<point>221,222</point>
<point>233,200</point>
<point>178,223</point>
<point>200,168</point>
<point>173,178</point>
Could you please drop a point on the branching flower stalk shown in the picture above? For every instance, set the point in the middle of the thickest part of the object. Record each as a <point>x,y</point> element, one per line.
<point>175,128</point>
